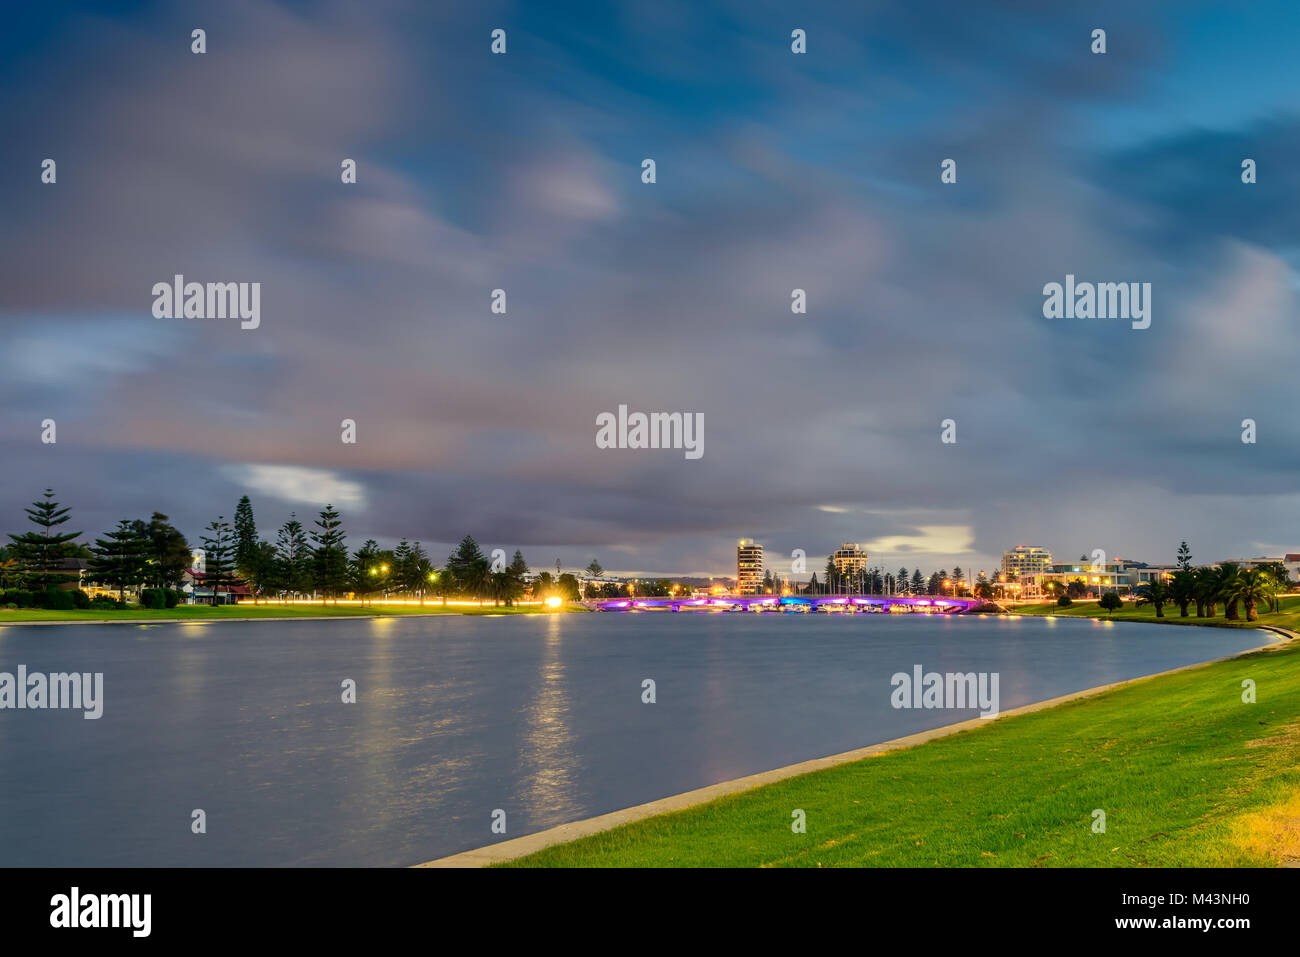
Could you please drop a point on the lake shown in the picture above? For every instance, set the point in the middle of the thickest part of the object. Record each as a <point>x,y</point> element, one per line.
<point>455,717</point>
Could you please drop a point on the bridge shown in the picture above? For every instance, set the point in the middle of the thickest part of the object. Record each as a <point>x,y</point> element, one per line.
<point>931,604</point>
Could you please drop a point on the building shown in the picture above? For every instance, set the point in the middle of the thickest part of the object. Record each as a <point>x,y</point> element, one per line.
<point>1025,560</point>
<point>1120,575</point>
<point>749,567</point>
<point>850,561</point>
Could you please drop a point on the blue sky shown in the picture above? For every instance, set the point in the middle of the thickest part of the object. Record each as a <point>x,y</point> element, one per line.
<point>775,171</point>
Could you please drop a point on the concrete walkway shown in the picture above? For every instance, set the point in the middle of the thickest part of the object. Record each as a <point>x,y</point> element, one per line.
<point>531,843</point>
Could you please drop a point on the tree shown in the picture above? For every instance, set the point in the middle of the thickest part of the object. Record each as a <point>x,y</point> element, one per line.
<point>1182,590</point>
<point>169,552</point>
<point>218,557</point>
<point>1155,592</point>
<point>262,573</point>
<point>567,586</point>
<point>329,554</point>
<point>469,568</point>
<point>935,584</point>
<point>1111,602</point>
<point>1249,587</point>
<point>543,586</point>
<point>40,554</point>
<point>120,558</point>
<point>901,580</point>
<point>517,569</point>
<point>594,569</point>
<point>292,570</point>
<point>412,568</point>
<point>918,582</point>
<point>1228,573</point>
<point>1281,579</point>
<point>367,572</point>
<point>1206,591</point>
<point>1184,558</point>
<point>246,544</point>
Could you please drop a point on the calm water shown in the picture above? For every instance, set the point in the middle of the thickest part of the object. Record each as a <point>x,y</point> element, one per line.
<point>539,716</point>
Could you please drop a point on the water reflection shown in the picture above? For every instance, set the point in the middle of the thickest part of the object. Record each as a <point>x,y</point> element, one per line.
<point>546,762</point>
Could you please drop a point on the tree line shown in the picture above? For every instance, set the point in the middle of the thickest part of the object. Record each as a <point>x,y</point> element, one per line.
<point>303,561</point>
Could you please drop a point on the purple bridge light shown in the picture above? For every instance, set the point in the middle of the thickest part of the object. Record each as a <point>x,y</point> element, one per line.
<point>928,603</point>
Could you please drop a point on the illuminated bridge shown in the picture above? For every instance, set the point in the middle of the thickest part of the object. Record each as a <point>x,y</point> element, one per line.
<point>843,603</point>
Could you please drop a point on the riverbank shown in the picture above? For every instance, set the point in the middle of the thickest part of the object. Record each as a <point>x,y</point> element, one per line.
<point>261,612</point>
<point>1185,772</point>
<point>1287,615</point>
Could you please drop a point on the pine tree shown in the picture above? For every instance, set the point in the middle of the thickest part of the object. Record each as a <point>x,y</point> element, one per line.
<point>40,554</point>
<point>469,568</point>
<point>402,563</point>
<point>517,569</point>
<point>246,545</point>
<point>329,554</point>
<point>120,558</point>
<point>1184,557</point>
<point>218,557</point>
<point>918,582</point>
<point>293,559</point>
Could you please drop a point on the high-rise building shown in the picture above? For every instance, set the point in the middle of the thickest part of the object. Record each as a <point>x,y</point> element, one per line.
<point>749,567</point>
<point>850,562</point>
<point>1025,560</point>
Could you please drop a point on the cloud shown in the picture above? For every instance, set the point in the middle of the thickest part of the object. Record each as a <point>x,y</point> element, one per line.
<point>290,483</point>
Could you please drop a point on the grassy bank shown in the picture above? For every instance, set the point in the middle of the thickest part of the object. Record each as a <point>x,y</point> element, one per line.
<point>272,610</point>
<point>1287,616</point>
<point>1186,773</point>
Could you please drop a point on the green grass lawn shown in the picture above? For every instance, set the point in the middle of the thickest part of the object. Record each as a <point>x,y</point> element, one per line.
<point>1287,617</point>
<point>272,610</point>
<point>1186,773</point>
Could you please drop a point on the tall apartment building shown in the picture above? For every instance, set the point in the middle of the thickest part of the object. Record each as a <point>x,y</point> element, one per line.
<point>749,567</point>
<point>1025,560</point>
<point>850,561</point>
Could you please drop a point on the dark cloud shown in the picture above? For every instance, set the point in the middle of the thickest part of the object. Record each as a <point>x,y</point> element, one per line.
<point>523,172</point>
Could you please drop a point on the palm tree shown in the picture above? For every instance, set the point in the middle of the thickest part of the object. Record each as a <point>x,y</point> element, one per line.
<point>1249,587</point>
<point>1182,590</point>
<point>1228,573</point>
<point>1206,582</point>
<point>1155,592</point>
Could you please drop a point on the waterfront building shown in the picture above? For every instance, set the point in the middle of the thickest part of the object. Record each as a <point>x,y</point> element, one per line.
<point>1025,560</point>
<point>749,567</point>
<point>850,561</point>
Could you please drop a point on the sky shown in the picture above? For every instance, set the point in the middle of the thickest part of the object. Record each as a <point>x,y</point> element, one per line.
<point>774,171</point>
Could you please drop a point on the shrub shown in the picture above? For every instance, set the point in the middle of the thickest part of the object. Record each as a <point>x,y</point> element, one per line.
<point>153,598</point>
<point>11,605</point>
<point>172,598</point>
<point>1110,601</point>
<point>103,601</point>
<point>19,597</point>
<point>80,599</point>
<point>59,600</point>
<point>1065,601</point>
